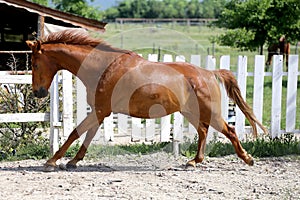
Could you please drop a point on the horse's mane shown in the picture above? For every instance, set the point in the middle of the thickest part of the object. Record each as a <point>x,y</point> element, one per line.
<point>78,37</point>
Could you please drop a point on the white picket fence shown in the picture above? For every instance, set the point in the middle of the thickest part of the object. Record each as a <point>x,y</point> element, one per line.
<point>53,116</point>
<point>119,128</point>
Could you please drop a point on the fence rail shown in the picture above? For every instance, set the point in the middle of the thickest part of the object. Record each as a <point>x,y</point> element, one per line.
<point>8,78</point>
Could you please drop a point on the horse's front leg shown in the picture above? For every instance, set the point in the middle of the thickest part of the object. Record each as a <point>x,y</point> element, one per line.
<point>202,134</point>
<point>81,153</point>
<point>89,122</point>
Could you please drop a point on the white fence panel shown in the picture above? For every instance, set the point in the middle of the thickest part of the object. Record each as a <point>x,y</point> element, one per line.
<point>54,117</point>
<point>224,64</point>
<point>81,111</point>
<point>258,87</point>
<point>276,95</point>
<point>122,124</point>
<point>136,129</point>
<point>196,60</point>
<point>148,131</point>
<point>108,127</point>
<point>210,64</point>
<point>67,103</point>
<point>291,100</point>
<point>242,80</point>
<point>165,129</point>
<point>24,117</point>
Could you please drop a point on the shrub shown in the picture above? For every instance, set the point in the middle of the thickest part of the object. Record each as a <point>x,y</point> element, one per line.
<point>18,98</point>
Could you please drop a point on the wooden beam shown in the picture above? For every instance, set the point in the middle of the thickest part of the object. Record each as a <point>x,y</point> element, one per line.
<point>24,117</point>
<point>58,15</point>
<point>41,24</point>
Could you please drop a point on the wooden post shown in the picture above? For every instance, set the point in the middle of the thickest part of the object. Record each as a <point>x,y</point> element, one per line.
<point>224,64</point>
<point>242,82</point>
<point>81,111</point>
<point>41,24</point>
<point>258,88</point>
<point>67,103</point>
<point>276,95</point>
<point>291,99</point>
<point>210,64</point>
<point>54,116</point>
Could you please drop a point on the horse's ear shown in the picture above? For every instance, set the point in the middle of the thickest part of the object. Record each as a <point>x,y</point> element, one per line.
<point>30,44</point>
<point>35,46</point>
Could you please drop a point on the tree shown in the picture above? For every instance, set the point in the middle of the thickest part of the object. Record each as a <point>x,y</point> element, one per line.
<point>253,23</point>
<point>166,9</point>
<point>41,2</point>
<point>78,7</point>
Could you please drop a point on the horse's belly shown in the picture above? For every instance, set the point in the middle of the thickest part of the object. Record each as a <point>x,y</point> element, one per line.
<point>150,101</point>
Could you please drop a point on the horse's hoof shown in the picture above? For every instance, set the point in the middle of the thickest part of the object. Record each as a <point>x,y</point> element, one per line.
<point>71,166</point>
<point>190,164</point>
<point>62,167</point>
<point>49,168</point>
<point>250,161</point>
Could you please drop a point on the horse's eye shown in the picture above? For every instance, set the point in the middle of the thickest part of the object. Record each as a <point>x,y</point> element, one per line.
<point>35,66</point>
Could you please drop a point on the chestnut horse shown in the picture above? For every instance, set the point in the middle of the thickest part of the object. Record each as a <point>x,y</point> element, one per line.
<point>121,81</point>
<point>280,48</point>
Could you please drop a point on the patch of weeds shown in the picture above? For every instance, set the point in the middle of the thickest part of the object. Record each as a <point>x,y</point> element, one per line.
<point>287,144</point>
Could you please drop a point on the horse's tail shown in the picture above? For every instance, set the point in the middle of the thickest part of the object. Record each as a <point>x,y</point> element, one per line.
<point>233,91</point>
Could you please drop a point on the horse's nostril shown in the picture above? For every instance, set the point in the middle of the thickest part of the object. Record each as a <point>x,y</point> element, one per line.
<point>35,93</point>
<point>42,92</point>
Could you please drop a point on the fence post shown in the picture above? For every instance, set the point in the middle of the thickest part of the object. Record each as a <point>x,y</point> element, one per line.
<point>67,102</point>
<point>108,128</point>
<point>291,103</point>
<point>210,64</point>
<point>241,79</point>
<point>54,116</point>
<point>224,64</point>
<point>276,95</point>
<point>195,60</point>
<point>258,88</point>
<point>81,111</point>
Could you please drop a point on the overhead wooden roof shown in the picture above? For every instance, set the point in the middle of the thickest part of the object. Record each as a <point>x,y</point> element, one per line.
<point>50,14</point>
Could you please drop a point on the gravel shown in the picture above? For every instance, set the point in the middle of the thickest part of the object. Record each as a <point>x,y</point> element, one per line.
<point>153,176</point>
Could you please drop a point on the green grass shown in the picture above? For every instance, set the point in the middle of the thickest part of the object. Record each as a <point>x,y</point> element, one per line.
<point>285,145</point>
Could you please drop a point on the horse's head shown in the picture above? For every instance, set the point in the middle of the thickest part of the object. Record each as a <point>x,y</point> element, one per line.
<point>43,69</point>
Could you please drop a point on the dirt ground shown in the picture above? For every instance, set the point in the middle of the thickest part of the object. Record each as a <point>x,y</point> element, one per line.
<point>154,176</point>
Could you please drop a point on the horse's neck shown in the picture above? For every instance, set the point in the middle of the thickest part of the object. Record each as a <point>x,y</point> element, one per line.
<point>87,64</point>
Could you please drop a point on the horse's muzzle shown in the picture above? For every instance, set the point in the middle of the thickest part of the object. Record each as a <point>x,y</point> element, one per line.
<point>42,92</point>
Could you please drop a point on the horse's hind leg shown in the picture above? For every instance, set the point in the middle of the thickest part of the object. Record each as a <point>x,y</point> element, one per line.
<point>230,133</point>
<point>81,153</point>
<point>89,122</point>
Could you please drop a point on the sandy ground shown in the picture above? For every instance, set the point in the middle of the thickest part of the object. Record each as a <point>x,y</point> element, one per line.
<point>154,176</point>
